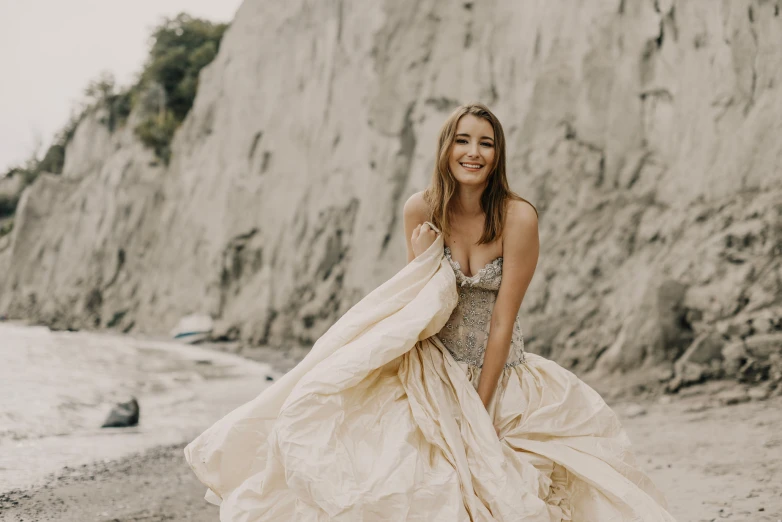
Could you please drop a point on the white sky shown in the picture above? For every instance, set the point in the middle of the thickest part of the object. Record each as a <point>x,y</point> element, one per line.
<point>51,49</point>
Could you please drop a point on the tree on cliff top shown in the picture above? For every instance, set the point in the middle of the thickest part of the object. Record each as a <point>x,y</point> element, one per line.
<point>164,93</point>
<point>181,47</point>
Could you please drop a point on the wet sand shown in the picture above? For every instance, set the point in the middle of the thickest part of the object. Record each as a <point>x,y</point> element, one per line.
<point>712,462</point>
<point>56,389</point>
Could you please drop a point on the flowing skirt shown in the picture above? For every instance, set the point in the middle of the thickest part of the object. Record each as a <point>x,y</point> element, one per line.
<point>380,423</point>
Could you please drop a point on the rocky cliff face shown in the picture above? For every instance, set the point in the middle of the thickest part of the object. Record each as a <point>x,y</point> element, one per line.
<point>645,131</point>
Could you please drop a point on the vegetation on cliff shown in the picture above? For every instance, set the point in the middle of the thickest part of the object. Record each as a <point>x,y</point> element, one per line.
<point>162,95</point>
<point>181,47</point>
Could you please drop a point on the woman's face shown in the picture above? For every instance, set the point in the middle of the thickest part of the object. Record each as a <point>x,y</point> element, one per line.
<point>472,153</point>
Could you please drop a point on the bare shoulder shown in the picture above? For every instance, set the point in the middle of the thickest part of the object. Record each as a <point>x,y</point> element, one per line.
<point>416,209</point>
<point>520,251</point>
<point>521,217</point>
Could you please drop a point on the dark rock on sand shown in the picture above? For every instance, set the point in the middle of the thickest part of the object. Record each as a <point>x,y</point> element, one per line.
<point>123,415</point>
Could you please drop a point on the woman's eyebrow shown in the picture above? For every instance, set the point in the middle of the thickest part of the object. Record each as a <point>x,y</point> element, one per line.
<point>467,135</point>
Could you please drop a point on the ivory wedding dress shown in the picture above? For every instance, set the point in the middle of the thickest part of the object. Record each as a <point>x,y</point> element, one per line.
<point>381,421</point>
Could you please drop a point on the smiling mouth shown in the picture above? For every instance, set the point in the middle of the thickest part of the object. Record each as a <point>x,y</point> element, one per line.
<point>471,166</point>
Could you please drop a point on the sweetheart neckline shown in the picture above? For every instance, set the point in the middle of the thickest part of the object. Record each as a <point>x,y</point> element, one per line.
<point>457,266</point>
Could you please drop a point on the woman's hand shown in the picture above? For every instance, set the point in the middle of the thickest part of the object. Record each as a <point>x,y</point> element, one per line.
<point>486,405</point>
<point>422,238</point>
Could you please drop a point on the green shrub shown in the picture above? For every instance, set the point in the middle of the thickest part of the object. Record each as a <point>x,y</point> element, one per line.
<point>181,47</point>
<point>120,106</point>
<point>102,92</point>
<point>99,89</point>
<point>166,89</point>
<point>156,132</point>
<point>53,160</point>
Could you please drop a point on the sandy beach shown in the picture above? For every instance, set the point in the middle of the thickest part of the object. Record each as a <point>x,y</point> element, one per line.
<point>715,453</point>
<point>712,463</point>
<point>56,389</point>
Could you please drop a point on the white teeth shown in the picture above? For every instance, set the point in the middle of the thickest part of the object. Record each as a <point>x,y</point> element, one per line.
<point>471,165</point>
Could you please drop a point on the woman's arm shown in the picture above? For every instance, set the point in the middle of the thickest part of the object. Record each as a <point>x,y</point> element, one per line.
<point>415,213</point>
<point>520,247</point>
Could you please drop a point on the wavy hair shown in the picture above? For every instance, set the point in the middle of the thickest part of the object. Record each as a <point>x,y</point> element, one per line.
<point>442,188</point>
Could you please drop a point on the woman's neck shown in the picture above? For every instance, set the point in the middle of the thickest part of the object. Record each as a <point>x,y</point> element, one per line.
<point>468,201</point>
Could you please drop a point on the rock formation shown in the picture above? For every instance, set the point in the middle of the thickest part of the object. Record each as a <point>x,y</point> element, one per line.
<point>645,131</point>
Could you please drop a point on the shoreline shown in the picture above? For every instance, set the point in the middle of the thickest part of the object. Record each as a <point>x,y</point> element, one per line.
<point>713,450</point>
<point>681,446</point>
<point>63,385</point>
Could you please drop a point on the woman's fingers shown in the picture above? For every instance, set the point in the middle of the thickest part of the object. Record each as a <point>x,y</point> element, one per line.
<point>423,236</point>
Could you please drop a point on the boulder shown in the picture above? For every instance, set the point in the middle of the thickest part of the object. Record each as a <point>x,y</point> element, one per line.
<point>123,415</point>
<point>764,346</point>
<point>754,359</point>
<point>655,332</point>
<point>705,349</point>
<point>699,362</point>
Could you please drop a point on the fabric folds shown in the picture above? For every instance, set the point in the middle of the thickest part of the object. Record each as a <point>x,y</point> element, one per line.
<point>379,423</point>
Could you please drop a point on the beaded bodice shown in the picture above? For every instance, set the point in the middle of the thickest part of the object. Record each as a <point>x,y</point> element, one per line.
<point>467,331</point>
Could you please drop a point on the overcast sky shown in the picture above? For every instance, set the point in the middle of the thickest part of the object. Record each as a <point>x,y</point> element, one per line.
<point>51,49</point>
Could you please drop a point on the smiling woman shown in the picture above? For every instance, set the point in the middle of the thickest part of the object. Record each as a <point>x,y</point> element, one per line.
<point>472,150</point>
<point>420,403</point>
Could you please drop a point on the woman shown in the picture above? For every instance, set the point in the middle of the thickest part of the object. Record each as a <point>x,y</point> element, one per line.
<point>420,404</point>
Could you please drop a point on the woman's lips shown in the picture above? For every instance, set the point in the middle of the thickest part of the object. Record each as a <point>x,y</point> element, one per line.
<point>472,167</point>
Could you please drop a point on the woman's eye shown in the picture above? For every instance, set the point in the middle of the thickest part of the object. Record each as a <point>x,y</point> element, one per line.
<point>487,144</point>
<point>461,140</point>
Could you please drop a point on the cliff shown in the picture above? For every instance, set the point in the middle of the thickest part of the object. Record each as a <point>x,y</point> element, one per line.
<point>644,131</point>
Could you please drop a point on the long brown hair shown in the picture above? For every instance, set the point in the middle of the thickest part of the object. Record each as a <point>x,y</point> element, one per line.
<point>442,188</point>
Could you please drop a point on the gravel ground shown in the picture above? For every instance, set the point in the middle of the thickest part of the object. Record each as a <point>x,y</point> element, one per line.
<point>713,460</point>
<point>154,486</point>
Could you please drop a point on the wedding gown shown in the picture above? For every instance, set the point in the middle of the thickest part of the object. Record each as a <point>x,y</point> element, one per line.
<point>381,421</point>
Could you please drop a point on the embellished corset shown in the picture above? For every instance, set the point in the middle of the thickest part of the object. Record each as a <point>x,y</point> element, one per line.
<point>467,331</point>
